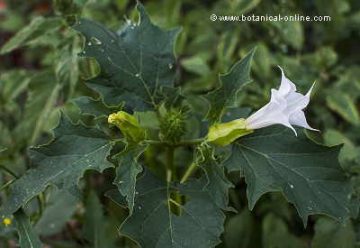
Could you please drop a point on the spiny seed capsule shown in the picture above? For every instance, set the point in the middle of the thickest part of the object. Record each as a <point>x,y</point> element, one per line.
<point>173,125</point>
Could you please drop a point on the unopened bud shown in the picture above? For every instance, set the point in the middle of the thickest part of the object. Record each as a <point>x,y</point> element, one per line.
<point>128,125</point>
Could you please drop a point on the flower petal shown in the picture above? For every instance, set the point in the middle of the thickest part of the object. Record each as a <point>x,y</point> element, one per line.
<point>285,108</point>
<point>296,101</point>
<point>298,119</point>
<point>271,114</point>
<point>308,94</point>
<point>286,85</point>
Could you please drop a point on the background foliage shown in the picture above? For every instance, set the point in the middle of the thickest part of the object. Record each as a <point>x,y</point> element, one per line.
<point>41,74</point>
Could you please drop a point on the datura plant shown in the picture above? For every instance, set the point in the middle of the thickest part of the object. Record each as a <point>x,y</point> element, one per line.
<point>145,127</point>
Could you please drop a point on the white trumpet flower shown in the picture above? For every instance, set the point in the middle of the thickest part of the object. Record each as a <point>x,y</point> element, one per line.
<point>285,108</point>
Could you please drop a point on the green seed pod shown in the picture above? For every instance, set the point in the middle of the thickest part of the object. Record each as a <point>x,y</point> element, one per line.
<point>172,125</point>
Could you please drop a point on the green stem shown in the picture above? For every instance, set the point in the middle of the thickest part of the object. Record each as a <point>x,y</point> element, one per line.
<point>190,142</point>
<point>188,172</point>
<point>170,162</point>
<point>180,143</point>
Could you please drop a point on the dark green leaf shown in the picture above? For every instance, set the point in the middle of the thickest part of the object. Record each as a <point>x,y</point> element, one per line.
<point>27,236</point>
<point>274,159</point>
<point>153,224</point>
<point>135,61</point>
<point>90,106</point>
<point>231,83</point>
<point>75,149</point>
<point>127,171</point>
<point>217,184</point>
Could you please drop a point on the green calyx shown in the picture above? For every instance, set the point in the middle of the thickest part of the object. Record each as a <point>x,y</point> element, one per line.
<point>128,125</point>
<point>222,134</point>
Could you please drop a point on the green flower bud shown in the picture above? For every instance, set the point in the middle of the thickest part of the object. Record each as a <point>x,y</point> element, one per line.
<point>223,134</point>
<point>128,125</point>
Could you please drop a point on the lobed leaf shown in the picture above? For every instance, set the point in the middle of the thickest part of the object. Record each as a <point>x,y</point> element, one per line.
<point>90,106</point>
<point>62,162</point>
<point>231,82</point>
<point>127,171</point>
<point>309,175</point>
<point>27,236</point>
<point>153,224</point>
<point>135,62</point>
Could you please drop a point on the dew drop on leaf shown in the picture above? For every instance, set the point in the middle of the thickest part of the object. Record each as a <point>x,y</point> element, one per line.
<point>95,41</point>
<point>137,75</point>
<point>170,66</point>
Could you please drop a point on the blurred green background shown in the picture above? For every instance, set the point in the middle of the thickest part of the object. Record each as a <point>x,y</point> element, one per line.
<point>40,73</point>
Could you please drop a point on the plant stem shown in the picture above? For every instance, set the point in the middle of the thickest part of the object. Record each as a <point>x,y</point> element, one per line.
<point>190,142</point>
<point>188,172</point>
<point>170,161</point>
<point>180,143</point>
